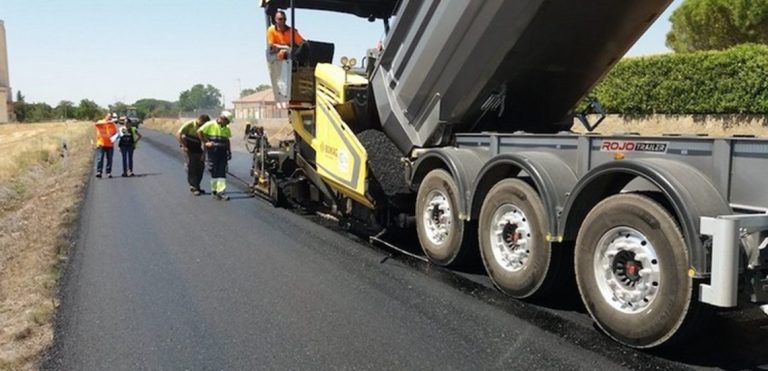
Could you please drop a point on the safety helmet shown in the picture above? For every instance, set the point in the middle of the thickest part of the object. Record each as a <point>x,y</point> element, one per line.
<point>227,115</point>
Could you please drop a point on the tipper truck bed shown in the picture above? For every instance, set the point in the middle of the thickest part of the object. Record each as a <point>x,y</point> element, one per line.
<point>498,65</point>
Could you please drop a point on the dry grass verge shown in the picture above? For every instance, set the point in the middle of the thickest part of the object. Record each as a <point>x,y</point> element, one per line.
<point>163,125</point>
<point>41,187</point>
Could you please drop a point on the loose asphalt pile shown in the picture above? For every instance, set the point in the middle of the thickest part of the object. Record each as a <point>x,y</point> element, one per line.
<point>384,161</point>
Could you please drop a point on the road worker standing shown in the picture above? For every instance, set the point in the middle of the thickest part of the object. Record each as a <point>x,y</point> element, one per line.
<point>105,131</point>
<point>193,150</point>
<point>215,138</point>
<point>129,140</point>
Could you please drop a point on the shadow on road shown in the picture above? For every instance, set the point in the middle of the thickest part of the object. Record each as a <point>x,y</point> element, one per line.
<point>735,339</point>
<point>142,175</point>
<point>239,195</point>
<point>731,340</point>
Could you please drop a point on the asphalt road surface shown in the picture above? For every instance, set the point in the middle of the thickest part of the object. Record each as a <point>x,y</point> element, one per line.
<point>161,279</point>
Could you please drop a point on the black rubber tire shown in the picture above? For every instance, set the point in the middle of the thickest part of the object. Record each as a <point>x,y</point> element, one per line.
<point>461,238</point>
<point>664,320</point>
<point>529,281</point>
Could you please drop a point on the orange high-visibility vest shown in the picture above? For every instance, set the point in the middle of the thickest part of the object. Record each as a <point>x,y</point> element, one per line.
<point>104,131</point>
<point>274,36</point>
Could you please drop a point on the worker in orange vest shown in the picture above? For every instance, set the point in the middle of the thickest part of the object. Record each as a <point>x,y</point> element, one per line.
<point>279,40</point>
<point>105,131</point>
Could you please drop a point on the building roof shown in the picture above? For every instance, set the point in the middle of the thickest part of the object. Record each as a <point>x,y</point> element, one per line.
<point>264,96</point>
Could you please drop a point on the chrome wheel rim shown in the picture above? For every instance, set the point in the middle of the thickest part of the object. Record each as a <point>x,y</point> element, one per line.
<point>437,217</point>
<point>627,269</point>
<point>510,236</point>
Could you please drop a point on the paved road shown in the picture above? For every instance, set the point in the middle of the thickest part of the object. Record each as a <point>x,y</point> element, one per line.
<point>160,279</point>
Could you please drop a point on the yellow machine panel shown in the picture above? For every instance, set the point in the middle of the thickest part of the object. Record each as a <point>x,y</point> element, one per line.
<point>341,159</point>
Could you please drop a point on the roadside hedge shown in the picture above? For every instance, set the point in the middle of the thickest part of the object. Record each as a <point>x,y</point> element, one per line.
<point>724,82</point>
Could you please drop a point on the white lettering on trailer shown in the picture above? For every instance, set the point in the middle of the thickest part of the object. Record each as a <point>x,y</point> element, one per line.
<point>633,146</point>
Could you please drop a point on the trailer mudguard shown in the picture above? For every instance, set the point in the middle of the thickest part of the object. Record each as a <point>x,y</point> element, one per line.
<point>463,165</point>
<point>690,194</point>
<point>552,178</point>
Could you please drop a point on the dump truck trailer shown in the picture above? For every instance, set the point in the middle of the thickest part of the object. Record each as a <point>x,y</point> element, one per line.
<point>459,126</point>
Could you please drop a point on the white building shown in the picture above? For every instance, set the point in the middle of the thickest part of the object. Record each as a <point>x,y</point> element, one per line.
<point>259,106</point>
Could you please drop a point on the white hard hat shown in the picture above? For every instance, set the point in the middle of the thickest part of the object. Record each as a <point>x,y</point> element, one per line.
<point>227,115</point>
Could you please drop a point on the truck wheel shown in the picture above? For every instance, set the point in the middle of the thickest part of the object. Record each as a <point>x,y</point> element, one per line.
<point>632,271</point>
<point>441,231</point>
<point>513,243</point>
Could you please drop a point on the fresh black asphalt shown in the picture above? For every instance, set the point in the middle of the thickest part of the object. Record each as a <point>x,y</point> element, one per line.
<point>161,279</point>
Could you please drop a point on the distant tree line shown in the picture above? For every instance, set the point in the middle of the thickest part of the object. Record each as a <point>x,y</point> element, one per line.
<point>199,97</point>
<point>65,110</point>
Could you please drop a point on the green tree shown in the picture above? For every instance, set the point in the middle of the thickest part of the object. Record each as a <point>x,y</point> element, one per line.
<point>37,112</point>
<point>200,97</point>
<point>257,89</point>
<point>65,110</point>
<point>718,24</point>
<point>118,107</point>
<point>751,17</point>
<point>149,107</point>
<point>88,110</point>
<point>20,107</point>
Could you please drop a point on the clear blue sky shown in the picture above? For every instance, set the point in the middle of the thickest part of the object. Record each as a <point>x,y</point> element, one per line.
<point>124,50</point>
